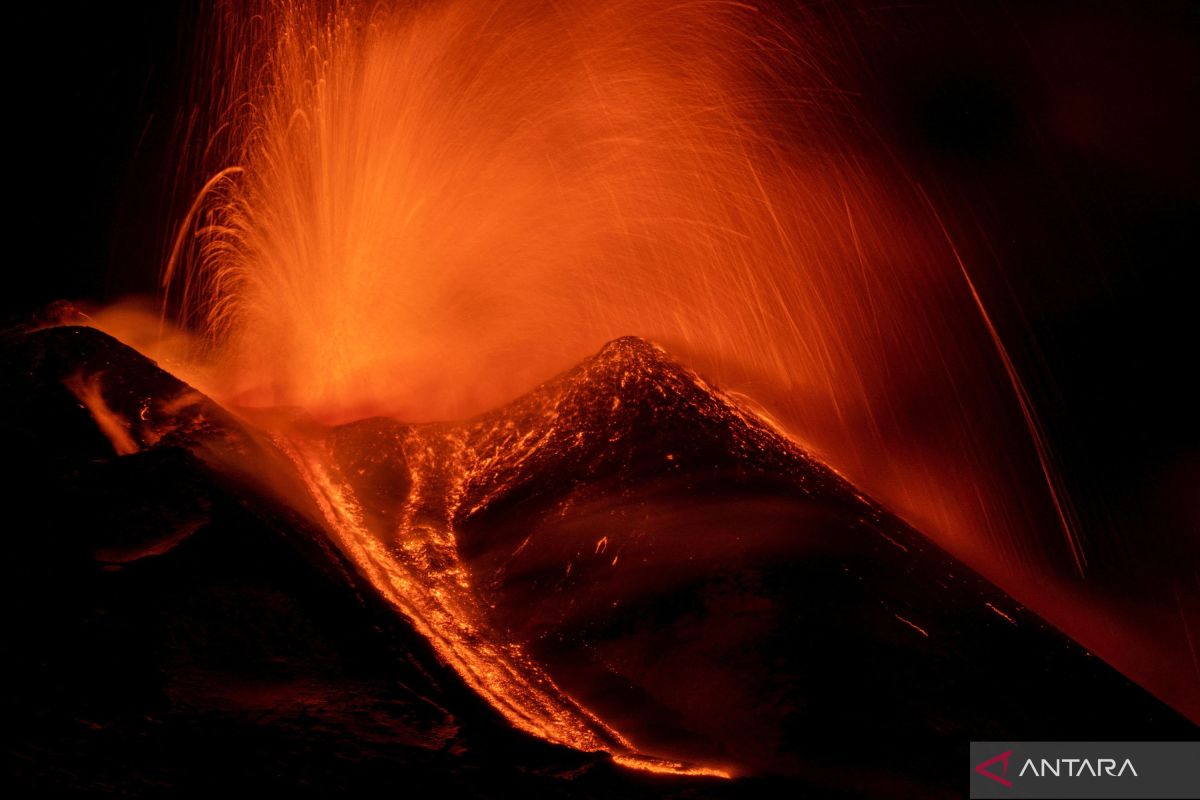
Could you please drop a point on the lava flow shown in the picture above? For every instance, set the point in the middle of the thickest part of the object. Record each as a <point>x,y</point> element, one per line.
<point>412,559</point>
<point>396,497</point>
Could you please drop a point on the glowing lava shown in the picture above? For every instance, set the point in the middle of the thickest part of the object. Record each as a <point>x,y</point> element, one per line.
<point>390,500</point>
<point>423,210</point>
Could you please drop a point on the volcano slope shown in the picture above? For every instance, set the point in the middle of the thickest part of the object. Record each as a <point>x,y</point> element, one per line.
<point>183,615</point>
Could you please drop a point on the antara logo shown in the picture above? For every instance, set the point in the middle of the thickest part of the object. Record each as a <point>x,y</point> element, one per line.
<point>996,768</point>
<point>1077,767</point>
<point>1002,759</point>
<point>1082,769</point>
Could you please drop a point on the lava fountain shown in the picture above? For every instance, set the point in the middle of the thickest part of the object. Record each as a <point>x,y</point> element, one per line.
<point>421,210</point>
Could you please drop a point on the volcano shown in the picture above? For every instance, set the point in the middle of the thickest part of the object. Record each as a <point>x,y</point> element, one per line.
<point>621,584</point>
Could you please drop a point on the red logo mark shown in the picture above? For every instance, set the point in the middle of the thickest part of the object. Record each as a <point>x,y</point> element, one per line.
<point>982,769</point>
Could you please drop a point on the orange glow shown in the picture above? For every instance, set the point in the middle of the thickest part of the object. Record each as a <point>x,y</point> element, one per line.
<point>422,210</point>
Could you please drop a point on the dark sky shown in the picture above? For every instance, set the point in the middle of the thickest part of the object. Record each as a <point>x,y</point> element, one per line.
<point>1059,139</point>
<point>95,94</point>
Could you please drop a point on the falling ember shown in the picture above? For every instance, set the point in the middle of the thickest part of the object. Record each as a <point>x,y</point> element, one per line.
<point>912,625</point>
<point>422,210</point>
<point>1001,613</point>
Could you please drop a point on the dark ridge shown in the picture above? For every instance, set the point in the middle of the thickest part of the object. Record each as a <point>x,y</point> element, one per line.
<point>642,533</point>
<point>628,414</point>
<point>174,626</point>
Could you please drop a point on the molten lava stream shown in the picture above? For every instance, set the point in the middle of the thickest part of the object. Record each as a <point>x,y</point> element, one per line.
<point>417,570</point>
